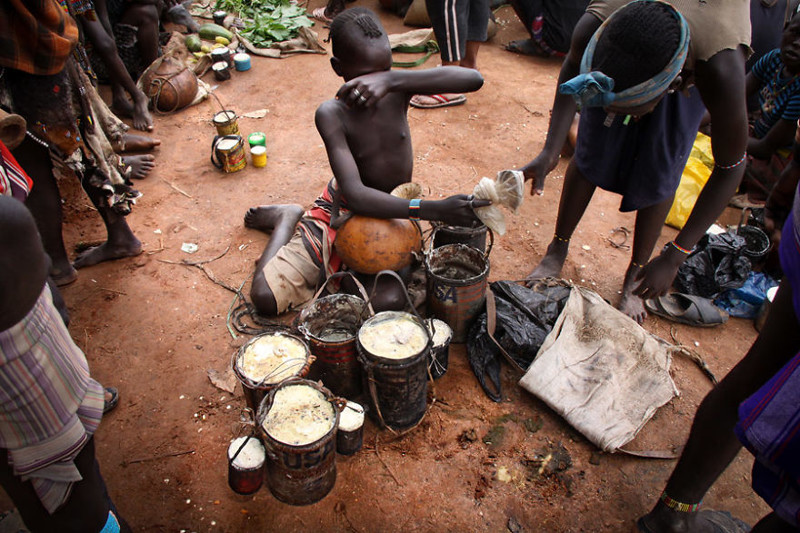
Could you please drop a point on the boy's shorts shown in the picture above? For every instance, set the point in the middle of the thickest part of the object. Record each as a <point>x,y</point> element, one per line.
<point>293,275</point>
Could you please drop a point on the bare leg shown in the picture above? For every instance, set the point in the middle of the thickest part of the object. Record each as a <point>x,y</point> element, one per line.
<point>120,242</point>
<point>146,18</point>
<point>712,444</point>
<point>121,81</point>
<point>44,202</point>
<point>470,59</point>
<point>279,221</point>
<point>648,228</point>
<point>575,197</point>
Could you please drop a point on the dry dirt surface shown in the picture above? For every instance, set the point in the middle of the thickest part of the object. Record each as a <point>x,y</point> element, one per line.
<point>156,328</point>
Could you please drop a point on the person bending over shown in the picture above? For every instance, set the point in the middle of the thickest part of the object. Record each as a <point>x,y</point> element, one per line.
<point>638,123</point>
<point>366,135</point>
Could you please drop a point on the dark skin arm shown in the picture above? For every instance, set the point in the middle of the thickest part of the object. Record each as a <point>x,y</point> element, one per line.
<point>564,107</point>
<point>720,81</point>
<point>780,135</point>
<point>376,85</point>
<point>369,201</point>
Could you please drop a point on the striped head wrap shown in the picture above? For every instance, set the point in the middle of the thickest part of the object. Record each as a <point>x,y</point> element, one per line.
<point>595,89</point>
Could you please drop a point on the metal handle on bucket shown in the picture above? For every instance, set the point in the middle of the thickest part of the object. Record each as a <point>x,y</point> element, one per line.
<point>405,292</point>
<point>214,142</point>
<point>437,227</point>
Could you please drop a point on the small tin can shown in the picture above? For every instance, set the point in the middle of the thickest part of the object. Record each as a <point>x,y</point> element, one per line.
<point>219,17</point>
<point>221,72</point>
<point>350,436</point>
<point>222,55</point>
<point>257,138</point>
<point>241,62</point>
<point>258,154</point>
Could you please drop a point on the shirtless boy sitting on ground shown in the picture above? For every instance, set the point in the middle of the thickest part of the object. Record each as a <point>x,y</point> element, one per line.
<point>366,134</point>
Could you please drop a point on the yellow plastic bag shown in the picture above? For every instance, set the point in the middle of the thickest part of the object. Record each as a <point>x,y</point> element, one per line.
<point>694,178</point>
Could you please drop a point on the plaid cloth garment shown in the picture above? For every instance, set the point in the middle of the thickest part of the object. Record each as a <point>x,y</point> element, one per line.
<point>36,36</point>
<point>49,404</point>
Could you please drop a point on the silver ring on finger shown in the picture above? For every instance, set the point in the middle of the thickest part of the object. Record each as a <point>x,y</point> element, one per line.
<point>362,99</point>
<point>356,93</point>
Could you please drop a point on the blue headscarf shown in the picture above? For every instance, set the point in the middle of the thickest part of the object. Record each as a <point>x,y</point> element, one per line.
<point>595,89</point>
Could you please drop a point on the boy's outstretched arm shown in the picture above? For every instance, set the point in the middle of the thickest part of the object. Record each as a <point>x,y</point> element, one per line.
<point>374,86</point>
<point>366,201</point>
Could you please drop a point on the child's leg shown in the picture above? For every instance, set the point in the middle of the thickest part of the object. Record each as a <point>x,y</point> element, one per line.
<point>279,221</point>
<point>575,197</point>
<point>44,202</point>
<point>120,241</point>
<point>649,221</point>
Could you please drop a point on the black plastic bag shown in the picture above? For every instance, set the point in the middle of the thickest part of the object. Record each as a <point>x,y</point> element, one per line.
<point>717,264</point>
<point>523,318</point>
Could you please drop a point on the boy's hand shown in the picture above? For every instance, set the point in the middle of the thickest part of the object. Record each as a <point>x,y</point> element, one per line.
<point>364,91</point>
<point>457,210</point>
<point>656,278</point>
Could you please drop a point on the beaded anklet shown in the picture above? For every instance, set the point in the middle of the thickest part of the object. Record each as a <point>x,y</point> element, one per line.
<point>637,265</point>
<point>560,239</point>
<point>678,506</point>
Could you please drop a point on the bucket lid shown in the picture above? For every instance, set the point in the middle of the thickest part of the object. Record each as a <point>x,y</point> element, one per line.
<point>393,335</point>
<point>227,144</point>
<point>297,413</point>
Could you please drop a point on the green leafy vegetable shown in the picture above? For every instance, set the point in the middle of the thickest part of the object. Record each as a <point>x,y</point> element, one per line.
<point>267,21</point>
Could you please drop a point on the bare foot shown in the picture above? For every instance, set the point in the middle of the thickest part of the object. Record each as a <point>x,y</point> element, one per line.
<point>108,252</point>
<point>629,303</point>
<point>63,274</point>
<point>142,119</point>
<point>266,217</point>
<point>137,143</point>
<point>140,165</point>
<point>553,261</point>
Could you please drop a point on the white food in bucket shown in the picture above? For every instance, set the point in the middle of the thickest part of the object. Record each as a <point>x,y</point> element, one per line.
<point>441,332</point>
<point>299,415</point>
<point>274,357</point>
<point>352,417</point>
<point>226,144</point>
<point>251,456</point>
<point>395,338</point>
<point>224,116</point>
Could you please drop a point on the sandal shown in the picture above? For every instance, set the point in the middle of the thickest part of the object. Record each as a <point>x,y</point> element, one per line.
<point>111,403</point>
<point>687,309</point>
<point>319,15</point>
<point>432,101</point>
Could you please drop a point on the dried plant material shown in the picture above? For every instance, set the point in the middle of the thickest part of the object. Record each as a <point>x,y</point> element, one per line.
<point>505,190</point>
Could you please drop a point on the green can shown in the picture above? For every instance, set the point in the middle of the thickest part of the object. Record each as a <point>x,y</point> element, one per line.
<point>257,138</point>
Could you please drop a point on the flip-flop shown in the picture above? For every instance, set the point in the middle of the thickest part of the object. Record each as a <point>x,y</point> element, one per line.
<point>687,309</point>
<point>432,101</point>
<point>720,521</point>
<point>526,47</point>
<point>319,15</point>
<point>109,405</point>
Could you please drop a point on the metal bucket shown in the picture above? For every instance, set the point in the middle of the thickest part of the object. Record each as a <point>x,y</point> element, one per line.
<point>475,237</point>
<point>330,325</point>
<point>456,282</point>
<point>227,153</point>
<point>300,474</point>
<point>246,459</point>
<point>226,122</point>
<point>398,387</point>
<point>256,389</point>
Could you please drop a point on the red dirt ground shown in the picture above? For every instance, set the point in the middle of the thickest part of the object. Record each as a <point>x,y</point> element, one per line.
<point>155,329</point>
